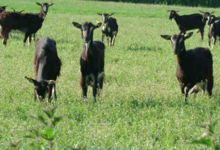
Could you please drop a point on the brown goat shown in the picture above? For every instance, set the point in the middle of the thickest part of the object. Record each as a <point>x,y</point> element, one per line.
<point>47,66</point>
<point>193,66</point>
<point>28,23</point>
<point>91,60</point>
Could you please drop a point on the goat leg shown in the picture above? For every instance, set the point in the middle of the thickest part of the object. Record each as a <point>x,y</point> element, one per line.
<point>34,36</point>
<point>54,92</point>
<point>186,91</point>
<point>107,40</point>
<point>4,42</point>
<point>210,84</point>
<point>95,86</point>
<point>204,87</point>
<point>84,86</point>
<point>35,96</point>
<point>202,32</point>
<point>213,41</point>
<point>100,81</point>
<point>25,38</point>
<point>50,87</point>
<point>113,42</point>
<point>29,44</point>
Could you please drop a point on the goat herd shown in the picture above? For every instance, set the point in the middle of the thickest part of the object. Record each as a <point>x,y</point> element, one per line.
<point>194,69</point>
<point>47,64</point>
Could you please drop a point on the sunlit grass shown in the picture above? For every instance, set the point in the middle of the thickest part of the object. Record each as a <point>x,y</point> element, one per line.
<point>141,99</point>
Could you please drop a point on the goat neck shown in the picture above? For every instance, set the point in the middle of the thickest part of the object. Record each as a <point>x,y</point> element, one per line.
<point>87,49</point>
<point>177,18</point>
<point>42,14</point>
<point>181,57</point>
<point>105,26</point>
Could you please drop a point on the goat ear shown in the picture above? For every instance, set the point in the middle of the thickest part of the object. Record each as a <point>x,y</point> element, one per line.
<point>77,25</point>
<point>110,14</point>
<point>212,12</point>
<point>13,10</point>
<point>99,14</point>
<point>98,24</point>
<point>39,4</point>
<point>31,80</point>
<point>51,4</point>
<point>50,82</point>
<point>166,37</point>
<point>188,35</point>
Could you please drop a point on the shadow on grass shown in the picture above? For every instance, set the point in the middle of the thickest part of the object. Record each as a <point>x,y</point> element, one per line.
<point>136,47</point>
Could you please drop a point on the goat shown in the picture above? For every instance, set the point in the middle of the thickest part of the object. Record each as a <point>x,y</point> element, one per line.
<point>47,66</point>
<point>109,28</point>
<point>214,29</point>
<point>188,22</point>
<point>2,8</point>
<point>91,60</point>
<point>193,66</point>
<point>205,15</point>
<point>28,23</point>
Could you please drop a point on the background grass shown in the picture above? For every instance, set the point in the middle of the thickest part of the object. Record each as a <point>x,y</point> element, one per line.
<point>141,99</point>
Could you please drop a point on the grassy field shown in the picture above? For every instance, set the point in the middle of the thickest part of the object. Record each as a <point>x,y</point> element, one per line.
<point>141,99</point>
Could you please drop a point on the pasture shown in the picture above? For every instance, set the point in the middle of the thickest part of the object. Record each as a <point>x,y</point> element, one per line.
<point>141,98</point>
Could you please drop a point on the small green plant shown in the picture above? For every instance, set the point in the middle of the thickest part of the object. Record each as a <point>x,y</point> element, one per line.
<point>208,138</point>
<point>48,131</point>
<point>14,145</point>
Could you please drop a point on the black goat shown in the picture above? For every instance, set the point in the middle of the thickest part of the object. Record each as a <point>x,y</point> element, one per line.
<point>91,60</point>
<point>214,29</point>
<point>188,22</point>
<point>109,28</point>
<point>193,66</point>
<point>47,66</point>
<point>28,23</point>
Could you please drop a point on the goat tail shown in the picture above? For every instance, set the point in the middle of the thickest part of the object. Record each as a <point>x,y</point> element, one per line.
<point>59,64</point>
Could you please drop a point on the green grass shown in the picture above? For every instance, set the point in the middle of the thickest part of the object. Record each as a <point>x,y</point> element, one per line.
<point>141,99</point>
